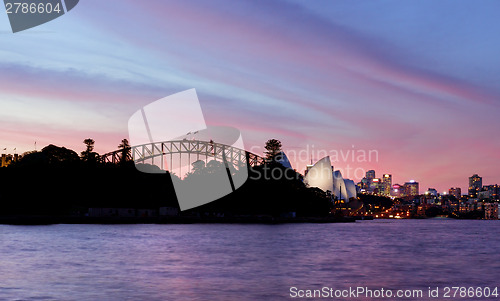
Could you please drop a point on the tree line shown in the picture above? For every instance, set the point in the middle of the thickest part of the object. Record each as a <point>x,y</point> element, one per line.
<point>58,181</point>
<point>54,156</point>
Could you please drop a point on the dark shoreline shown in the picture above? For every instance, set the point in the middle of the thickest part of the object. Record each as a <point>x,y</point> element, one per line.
<point>52,220</point>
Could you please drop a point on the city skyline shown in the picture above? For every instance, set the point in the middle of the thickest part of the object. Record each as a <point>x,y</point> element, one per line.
<point>420,91</point>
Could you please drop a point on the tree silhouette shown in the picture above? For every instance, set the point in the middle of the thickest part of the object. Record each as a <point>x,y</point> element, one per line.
<point>50,156</point>
<point>88,155</point>
<point>125,151</point>
<point>273,148</point>
<point>60,155</point>
<point>198,167</point>
<point>90,144</point>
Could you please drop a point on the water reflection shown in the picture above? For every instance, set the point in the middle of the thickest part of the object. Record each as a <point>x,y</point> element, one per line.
<point>242,262</point>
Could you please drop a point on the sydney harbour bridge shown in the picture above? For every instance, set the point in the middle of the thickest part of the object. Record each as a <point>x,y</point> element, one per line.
<point>172,153</point>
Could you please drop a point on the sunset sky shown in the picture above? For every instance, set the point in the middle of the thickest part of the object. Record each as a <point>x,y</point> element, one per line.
<point>417,81</point>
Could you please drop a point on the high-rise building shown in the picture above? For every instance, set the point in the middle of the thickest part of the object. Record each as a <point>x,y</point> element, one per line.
<point>475,185</point>
<point>365,184</point>
<point>411,188</point>
<point>456,192</point>
<point>371,182</point>
<point>386,184</point>
<point>375,186</point>
<point>370,175</point>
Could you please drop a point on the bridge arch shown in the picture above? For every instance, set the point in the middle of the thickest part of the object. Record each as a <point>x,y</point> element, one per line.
<point>160,153</point>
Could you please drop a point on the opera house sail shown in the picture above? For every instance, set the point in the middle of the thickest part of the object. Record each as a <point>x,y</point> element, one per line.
<point>283,160</point>
<point>339,187</point>
<point>351,188</point>
<point>320,175</point>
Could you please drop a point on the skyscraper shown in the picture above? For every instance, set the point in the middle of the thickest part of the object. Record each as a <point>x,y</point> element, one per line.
<point>371,184</point>
<point>386,184</point>
<point>475,185</point>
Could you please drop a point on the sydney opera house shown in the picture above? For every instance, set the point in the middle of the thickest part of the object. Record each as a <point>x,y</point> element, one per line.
<point>323,176</point>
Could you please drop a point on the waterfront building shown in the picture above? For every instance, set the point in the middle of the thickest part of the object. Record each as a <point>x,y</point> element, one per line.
<point>491,210</point>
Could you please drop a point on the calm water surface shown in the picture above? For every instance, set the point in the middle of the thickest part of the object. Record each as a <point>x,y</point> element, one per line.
<point>243,262</point>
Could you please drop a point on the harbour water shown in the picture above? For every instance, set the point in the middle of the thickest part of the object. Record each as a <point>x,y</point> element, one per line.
<point>244,262</point>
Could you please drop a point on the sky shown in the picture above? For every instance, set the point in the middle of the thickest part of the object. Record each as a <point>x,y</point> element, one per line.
<point>417,82</point>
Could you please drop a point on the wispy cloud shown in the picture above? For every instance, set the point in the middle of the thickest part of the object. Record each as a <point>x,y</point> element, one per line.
<point>272,69</point>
